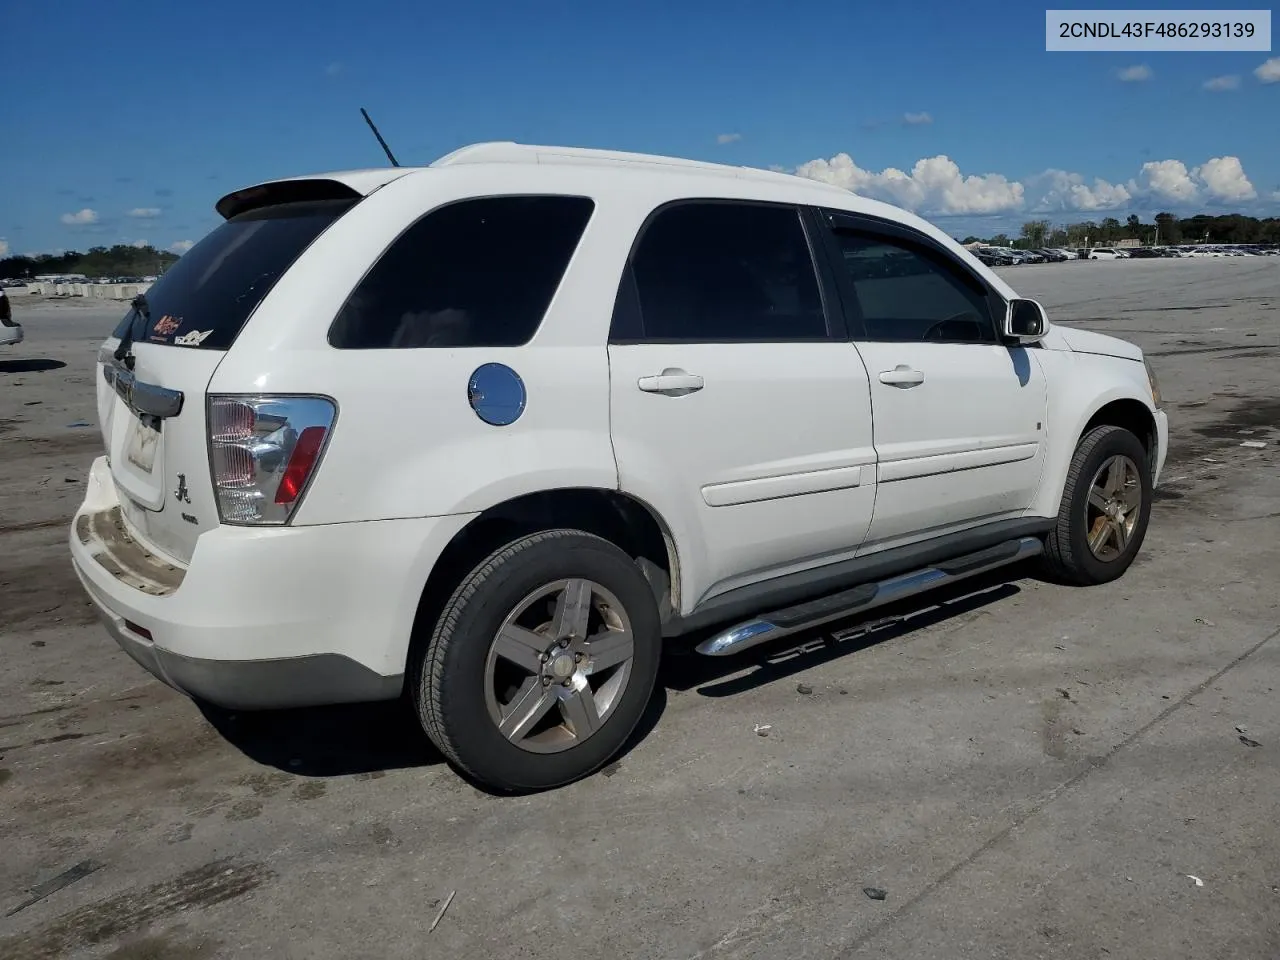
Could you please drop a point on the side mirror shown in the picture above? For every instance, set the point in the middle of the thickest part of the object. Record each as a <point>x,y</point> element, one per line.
<point>1025,321</point>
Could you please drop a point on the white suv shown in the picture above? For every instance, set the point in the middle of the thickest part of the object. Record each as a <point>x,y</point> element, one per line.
<point>484,433</point>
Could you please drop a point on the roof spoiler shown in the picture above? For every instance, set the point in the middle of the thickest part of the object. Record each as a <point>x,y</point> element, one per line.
<point>283,191</point>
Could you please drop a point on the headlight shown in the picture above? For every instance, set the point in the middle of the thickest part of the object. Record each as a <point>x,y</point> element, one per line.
<point>1153,381</point>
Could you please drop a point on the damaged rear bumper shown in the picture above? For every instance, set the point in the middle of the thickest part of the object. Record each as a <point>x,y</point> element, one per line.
<point>261,618</point>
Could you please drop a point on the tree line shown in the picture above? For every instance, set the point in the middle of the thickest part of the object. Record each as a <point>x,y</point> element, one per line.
<point>122,260</point>
<point>1165,229</point>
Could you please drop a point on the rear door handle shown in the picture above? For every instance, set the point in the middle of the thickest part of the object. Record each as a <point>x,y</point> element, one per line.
<point>672,382</point>
<point>902,376</point>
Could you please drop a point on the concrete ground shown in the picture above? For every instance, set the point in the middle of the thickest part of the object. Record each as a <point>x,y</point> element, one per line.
<point>1026,770</point>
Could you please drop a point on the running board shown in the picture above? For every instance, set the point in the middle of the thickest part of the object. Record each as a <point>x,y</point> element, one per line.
<point>813,613</point>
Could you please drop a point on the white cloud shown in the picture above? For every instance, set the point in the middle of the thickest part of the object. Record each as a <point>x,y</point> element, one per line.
<point>724,138</point>
<point>1135,74</point>
<point>1269,72</point>
<point>1224,179</point>
<point>80,218</point>
<point>934,185</point>
<point>1169,181</point>
<point>4,247</point>
<point>144,213</point>
<point>182,246</point>
<point>915,119</point>
<point>1165,180</point>
<point>140,244</point>
<point>1222,84</point>
<point>1060,190</point>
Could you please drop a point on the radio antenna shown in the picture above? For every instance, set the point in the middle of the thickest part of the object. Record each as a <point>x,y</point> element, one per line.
<point>385,148</point>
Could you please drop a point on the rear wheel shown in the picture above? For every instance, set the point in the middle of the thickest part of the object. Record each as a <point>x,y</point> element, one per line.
<point>1105,507</point>
<point>541,663</point>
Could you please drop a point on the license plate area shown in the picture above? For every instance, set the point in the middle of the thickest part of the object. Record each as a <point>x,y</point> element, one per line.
<point>143,444</point>
<point>137,456</point>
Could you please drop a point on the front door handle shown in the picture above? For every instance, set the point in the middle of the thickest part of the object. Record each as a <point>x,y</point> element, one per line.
<point>902,376</point>
<point>673,382</point>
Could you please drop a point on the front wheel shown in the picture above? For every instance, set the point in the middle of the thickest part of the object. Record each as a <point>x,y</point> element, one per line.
<point>541,663</point>
<point>1106,505</point>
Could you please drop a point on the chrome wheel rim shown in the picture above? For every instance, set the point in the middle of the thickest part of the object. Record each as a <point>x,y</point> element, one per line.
<point>558,666</point>
<point>1115,504</point>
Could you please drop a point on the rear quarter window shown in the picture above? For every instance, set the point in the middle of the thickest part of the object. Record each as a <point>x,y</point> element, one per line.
<point>475,273</point>
<point>205,299</point>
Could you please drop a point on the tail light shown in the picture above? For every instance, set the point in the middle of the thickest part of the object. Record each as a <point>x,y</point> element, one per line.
<point>263,452</point>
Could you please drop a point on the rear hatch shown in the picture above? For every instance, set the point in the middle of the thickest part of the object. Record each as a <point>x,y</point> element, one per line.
<point>156,366</point>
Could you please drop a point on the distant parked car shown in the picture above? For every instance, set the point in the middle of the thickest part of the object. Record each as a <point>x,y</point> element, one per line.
<point>10,329</point>
<point>1053,256</point>
<point>993,257</point>
<point>1098,253</point>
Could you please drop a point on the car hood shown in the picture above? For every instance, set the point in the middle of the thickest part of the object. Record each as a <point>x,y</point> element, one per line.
<point>1086,341</point>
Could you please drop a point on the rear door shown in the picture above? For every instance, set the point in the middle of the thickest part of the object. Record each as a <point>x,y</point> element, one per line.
<point>154,369</point>
<point>959,416</point>
<point>738,409</point>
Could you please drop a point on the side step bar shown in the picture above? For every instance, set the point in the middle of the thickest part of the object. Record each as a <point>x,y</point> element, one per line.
<point>813,613</point>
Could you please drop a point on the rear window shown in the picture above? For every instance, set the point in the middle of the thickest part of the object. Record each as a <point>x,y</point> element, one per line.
<point>476,273</point>
<point>205,299</point>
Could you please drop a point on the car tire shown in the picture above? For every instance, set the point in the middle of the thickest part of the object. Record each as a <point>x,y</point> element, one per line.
<point>1105,509</point>
<point>480,680</point>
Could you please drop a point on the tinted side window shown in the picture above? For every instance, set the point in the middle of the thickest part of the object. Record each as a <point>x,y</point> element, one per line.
<point>710,271</point>
<point>905,293</point>
<point>477,273</point>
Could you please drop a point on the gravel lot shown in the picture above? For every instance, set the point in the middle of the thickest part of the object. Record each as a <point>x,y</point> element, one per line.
<point>1027,770</point>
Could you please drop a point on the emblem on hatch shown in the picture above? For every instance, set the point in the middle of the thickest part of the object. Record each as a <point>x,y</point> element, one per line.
<point>181,493</point>
<point>192,339</point>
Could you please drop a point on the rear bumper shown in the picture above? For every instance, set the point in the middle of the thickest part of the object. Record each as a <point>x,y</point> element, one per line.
<point>256,684</point>
<point>263,618</point>
<point>9,335</point>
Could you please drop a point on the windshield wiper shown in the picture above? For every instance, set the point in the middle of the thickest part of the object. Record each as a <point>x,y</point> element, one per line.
<point>124,352</point>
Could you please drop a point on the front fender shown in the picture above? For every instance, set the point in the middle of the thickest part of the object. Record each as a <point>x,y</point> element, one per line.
<point>1080,385</point>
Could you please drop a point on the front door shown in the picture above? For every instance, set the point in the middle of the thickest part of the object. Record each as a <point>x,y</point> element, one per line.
<point>959,416</point>
<point>737,411</point>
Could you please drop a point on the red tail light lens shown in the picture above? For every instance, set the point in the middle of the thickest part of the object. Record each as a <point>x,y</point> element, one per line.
<point>263,452</point>
<point>305,454</point>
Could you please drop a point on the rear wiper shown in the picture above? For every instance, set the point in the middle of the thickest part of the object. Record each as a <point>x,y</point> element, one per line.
<point>124,352</point>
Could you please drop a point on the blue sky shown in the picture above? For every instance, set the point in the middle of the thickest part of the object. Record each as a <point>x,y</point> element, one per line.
<point>126,121</point>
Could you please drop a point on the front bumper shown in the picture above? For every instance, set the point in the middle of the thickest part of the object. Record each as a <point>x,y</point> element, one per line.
<point>1162,445</point>
<point>10,335</point>
<point>262,618</point>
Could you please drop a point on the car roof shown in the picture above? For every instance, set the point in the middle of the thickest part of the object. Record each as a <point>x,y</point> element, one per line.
<point>593,171</point>
<point>596,166</point>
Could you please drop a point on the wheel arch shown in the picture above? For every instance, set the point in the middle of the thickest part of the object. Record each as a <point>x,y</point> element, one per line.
<point>624,520</point>
<point>1120,407</point>
<point>1130,414</point>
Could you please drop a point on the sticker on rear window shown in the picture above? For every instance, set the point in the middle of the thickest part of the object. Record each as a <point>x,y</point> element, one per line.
<point>192,339</point>
<point>166,325</point>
